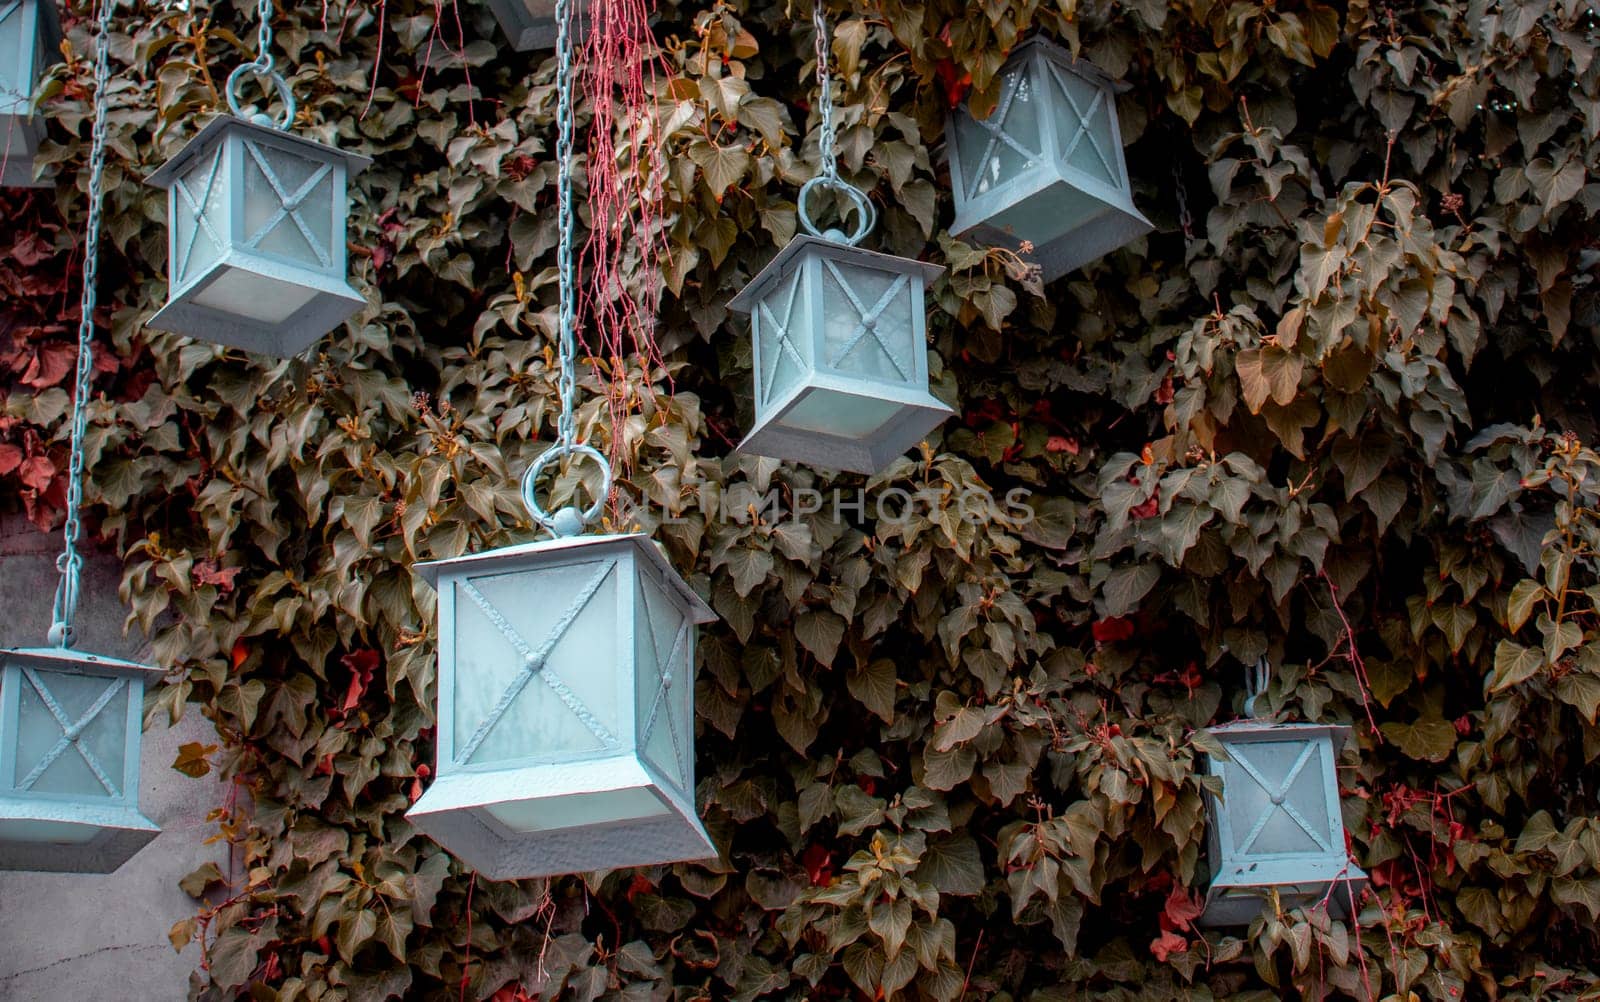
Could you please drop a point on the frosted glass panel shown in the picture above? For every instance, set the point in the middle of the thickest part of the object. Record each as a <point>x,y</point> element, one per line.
<point>288,205</point>
<point>244,293</point>
<point>997,150</point>
<point>843,414</point>
<point>1247,802</point>
<point>550,813</point>
<point>15,61</point>
<point>103,739</point>
<point>199,216</point>
<point>1084,125</point>
<point>867,322</point>
<point>781,322</point>
<point>558,709</point>
<point>657,646</point>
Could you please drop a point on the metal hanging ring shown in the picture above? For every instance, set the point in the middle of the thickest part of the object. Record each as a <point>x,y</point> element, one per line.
<point>866,213</point>
<point>261,117</point>
<point>567,521</point>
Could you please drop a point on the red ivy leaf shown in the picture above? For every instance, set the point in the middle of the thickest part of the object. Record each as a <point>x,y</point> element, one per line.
<point>1181,910</point>
<point>1112,629</point>
<point>1168,944</point>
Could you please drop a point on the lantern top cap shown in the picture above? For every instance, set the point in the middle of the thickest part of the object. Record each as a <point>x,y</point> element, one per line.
<point>1255,727</point>
<point>1080,65</point>
<point>64,658</point>
<point>642,545</point>
<point>167,174</point>
<point>746,300</point>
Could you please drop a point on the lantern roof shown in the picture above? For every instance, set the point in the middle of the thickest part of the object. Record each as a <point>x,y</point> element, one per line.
<point>1256,728</point>
<point>67,659</point>
<point>1077,64</point>
<point>752,293</point>
<point>510,556</point>
<point>169,172</point>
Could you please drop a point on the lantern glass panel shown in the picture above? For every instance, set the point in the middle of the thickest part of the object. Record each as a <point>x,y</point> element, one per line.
<point>1009,142</point>
<point>288,205</point>
<point>200,217</point>
<point>578,810</point>
<point>867,327</point>
<point>571,704</point>
<point>1083,125</point>
<point>16,59</point>
<point>842,414</point>
<point>663,654</point>
<point>47,761</point>
<point>1272,787</point>
<point>785,352</point>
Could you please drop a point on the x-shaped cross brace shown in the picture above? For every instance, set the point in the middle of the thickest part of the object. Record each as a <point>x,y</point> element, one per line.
<point>198,208</point>
<point>665,676</point>
<point>1279,797</point>
<point>784,345</point>
<point>869,318</point>
<point>1083,124</point>
<point>533,663</point>
<point>71,731</point>
<point>289,204</point>
<point>995,126</point>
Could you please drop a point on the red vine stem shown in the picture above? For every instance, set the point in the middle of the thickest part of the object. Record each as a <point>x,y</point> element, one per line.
<point>1354,656</point>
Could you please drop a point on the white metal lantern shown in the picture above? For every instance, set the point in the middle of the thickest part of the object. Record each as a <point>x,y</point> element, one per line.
<point>1046,167</point>
<point>69,760</point>
<point>530,24</point>
<point>839,339</point>
<point>566,709</point>
<point>256,238</point>
<point>30,40</point>
<point>1278,827</point>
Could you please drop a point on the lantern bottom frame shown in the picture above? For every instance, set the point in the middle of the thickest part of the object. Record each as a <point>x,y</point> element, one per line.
<point>1103,226</point>
<point>467,814</point>
<point>20,136</point>
<point>1235,898</point>
<point>79,836</point>
<point>789,431</point>
<point>319,305</point>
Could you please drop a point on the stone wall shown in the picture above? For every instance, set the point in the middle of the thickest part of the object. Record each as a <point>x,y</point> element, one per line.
<point>76,936</point>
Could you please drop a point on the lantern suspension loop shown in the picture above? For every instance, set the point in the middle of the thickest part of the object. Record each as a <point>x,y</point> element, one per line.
<point>568,521</point>
<point>70,563</point>
<point>1255,684</point>
<point>828,171</point>
<point>262,69</point>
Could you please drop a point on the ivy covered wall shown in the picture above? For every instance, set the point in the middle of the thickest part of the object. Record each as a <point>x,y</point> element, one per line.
<point>1339,409</point>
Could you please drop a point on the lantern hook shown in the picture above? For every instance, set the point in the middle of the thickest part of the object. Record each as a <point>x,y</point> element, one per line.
<point>262,69</point>
<point>270,76</point>
<point>828,173</point>
<point>568,521</point>
<point>1255,684</point>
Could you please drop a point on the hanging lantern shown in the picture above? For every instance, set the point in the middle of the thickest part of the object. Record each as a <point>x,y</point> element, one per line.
<point>1278,828</point>
<point>1046,167</point>
<point>30,40</point>
<point>69,760</point>
<point>529,24</point>
<point>839,342</point>
<point>566,709</point>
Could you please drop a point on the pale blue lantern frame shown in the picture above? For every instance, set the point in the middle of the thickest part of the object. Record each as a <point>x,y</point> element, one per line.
<point>1069,216</point>
<point>226,144</point>
<point>454,810</point>
<point>1243,882</point>
<point>30,35</point>
<point>916,411</point>
<point>115,826</point>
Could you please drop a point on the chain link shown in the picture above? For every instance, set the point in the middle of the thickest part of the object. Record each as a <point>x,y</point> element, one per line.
<point>262,68</point>
<point>826,140</point>
<point>1185,220</point>
<point>70,563</point>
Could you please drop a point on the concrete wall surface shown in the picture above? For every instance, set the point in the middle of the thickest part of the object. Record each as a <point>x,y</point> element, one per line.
<point>82,936</point>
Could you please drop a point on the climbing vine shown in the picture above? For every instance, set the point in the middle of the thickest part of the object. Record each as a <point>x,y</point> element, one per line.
<point>1339,409</point>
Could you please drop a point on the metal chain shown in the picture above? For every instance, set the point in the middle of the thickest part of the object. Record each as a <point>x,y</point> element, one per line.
<point>264,60</point>
<point>568,521</point>
<point>1255,684</point>
<point>566,431</point>
<point>70,563</point>
<point>1185,220</point>
<point>825,134</point>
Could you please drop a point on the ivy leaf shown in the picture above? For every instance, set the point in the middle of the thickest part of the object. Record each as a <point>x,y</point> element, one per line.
<point>356,929</point>
<point>1525,595</point>
<point>821,633</point>
<point>952,864</point>
<point>874,687</point>
<point>1125,586</point>
<point>393,926</point>
<point>1514,664</point>
<point>724,166</point>
<point>1426,740</point>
